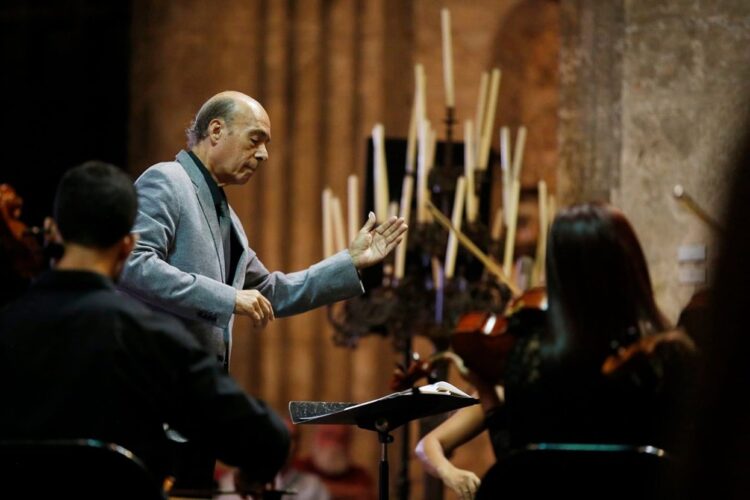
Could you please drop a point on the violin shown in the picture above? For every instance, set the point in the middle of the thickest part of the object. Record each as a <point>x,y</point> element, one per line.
<point>645,347</point>
<point>482,341</point>
<point>19,242</point>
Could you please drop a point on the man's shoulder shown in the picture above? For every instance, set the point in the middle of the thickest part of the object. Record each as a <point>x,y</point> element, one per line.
<point>167,178</point>
<point>171,169</point>
<point>141,315</point>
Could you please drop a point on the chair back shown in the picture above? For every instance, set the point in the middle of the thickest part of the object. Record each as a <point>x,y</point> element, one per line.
<point>576,470</point>
<point>80,469</point>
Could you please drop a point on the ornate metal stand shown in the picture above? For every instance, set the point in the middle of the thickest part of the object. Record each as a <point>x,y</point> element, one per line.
<point>417,305</point>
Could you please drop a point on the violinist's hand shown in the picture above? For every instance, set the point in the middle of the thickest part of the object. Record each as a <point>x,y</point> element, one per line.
<point>373,244</point>
<point>254,305</point>
<point>465,483</point>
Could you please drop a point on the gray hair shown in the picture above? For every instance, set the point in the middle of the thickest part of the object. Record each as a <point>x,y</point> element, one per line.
<point>222,107</point>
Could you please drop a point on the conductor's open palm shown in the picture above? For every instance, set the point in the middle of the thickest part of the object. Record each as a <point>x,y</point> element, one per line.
<point>373,244</point>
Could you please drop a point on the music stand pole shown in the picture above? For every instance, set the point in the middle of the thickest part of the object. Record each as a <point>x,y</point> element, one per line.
<point>381,425</point>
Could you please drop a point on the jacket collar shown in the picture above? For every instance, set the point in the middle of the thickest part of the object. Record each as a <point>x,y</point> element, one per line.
<point>207,205</point>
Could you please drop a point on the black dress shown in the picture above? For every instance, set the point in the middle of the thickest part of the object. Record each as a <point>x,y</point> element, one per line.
<point>572,401</point>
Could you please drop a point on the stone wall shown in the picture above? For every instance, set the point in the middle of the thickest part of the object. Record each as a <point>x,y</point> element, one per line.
<point>652,95</point>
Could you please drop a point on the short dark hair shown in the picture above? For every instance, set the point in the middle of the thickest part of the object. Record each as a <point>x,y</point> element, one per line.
<point>222,107</point>
<point>95,205</point>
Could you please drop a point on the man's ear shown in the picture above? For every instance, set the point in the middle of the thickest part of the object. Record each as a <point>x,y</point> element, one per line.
<point>215,129</point>
<point>127,243</point>
<point>124,247</point>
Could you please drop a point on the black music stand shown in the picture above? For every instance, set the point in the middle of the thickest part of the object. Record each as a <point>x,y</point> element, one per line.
<point>383,415</point>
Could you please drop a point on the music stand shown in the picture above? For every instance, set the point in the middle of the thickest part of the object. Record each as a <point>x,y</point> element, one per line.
<point>383,415</point>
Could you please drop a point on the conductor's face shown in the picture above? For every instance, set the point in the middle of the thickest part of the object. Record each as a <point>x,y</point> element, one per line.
<point>241,146</point>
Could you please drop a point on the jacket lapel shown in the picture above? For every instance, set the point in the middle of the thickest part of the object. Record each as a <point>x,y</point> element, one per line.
<point>205,200</point>
<point>239,234</point>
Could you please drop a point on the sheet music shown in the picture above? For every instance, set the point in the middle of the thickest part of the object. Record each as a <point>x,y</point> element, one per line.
<point>399,406</point>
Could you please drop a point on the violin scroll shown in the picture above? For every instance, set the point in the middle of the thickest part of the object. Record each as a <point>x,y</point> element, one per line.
<point>406,377</point>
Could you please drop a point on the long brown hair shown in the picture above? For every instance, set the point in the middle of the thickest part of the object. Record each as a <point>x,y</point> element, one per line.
<point>600,294</point>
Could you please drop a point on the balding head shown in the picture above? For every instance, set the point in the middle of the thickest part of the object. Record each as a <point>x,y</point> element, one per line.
<point>223,106</point>
<point>230,135</point>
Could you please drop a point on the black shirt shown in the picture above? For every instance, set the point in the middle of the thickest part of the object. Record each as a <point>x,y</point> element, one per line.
<point>218,195</point>
<point>79,360</point>
<point>232,248</point>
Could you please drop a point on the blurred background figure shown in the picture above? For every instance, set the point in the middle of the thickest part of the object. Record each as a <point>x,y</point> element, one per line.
<point>25,251</point>
<point>304,485</point>
<point>330,459</point>
<point>20,253</point>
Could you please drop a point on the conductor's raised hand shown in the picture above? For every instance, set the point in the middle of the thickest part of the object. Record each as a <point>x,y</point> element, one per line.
<point>373,244</point>
<point>252,304</point>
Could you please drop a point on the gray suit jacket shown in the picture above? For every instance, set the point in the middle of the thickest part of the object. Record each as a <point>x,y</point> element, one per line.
<point>178,262</point>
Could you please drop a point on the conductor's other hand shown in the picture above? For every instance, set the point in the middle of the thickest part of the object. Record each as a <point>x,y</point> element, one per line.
<point>373,244</point>
<point>252,304</point>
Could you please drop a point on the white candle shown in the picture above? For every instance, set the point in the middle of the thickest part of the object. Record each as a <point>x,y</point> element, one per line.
<point>505,155</point>
<point>407,191</point>
<point>411,142</point>
<point>518,153</point>
<point>472,200</point>
<point>393,209</point>
<point>380,194</point>
<point>437,278</point>
<point>338,225</point>
<point>458,209</point>
<point>327,226</point>
<point>497,225</point>
<point>505,169</point>
<point>481,105</point>
<point>489,120</point>
<point>352,188</point>
<point>541,241</point>
<point>510,237</point>
<point>383,170</point>
<point>406,196</point>
<point>431,149</point>
<point>551,208</point>
<point>421,95</point>
<point>422,171</point>
<point>445,17</point>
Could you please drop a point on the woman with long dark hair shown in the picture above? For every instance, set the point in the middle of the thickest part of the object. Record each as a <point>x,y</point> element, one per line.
<point>607,369</point>
<point>604,371</point>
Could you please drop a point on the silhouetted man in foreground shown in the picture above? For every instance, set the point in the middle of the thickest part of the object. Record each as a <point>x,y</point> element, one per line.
<point>80,360</point>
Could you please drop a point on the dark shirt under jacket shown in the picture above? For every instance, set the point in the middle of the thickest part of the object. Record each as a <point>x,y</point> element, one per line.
<point>77,359</point>
<point>232,247</point>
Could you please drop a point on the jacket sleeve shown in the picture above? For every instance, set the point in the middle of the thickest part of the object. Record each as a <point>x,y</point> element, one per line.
<point>205,404</point>
<point>150,277</point>
<point>328,281</point>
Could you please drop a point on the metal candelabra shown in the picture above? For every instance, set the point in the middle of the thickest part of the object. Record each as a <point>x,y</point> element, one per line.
<point>423,303</point>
